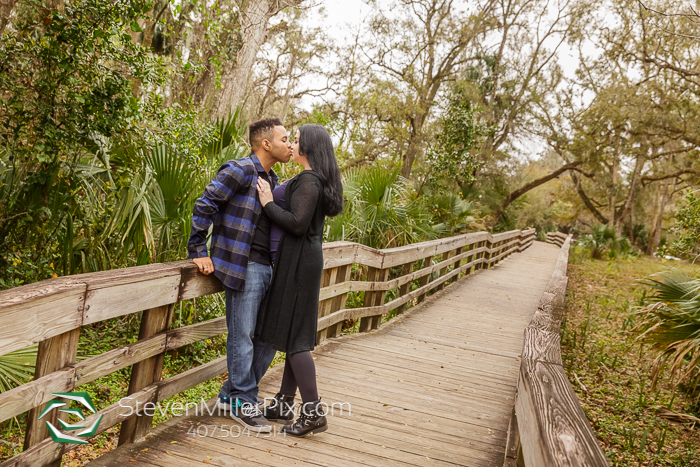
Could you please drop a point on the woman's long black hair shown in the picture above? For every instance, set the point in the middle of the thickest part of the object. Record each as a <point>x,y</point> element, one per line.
<point>315,143</point>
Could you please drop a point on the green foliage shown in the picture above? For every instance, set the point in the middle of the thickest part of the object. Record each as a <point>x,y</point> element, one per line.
<point>603,239</point>
<point>454,215</point>
<point>670,323</point>
<point>687,226</point>
<point>17,367</point>
<point>381,211</point>
<point>453,159</point>
<point>611,372</point>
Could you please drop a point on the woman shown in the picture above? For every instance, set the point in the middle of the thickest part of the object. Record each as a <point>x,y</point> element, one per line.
<point>289,316</point>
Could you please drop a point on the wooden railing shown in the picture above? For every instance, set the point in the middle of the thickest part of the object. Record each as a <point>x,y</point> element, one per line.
<point>52,312</point>
<point>556,238</point>
<point>553,429</point>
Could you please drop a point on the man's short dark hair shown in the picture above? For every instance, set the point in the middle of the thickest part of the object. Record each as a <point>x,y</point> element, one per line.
<point>262,129</point>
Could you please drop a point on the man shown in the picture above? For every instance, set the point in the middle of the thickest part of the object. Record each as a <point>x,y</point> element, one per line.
<point>240,258</point>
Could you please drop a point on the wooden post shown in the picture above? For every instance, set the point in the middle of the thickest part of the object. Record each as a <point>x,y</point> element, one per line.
<point>374,299</point>
<point>146,372</point>
<point>469,258</point>
<point>343,275</point>
<point>324,308</point>
<point>480,255</point>
<point>445,256</point>
<point>404,289</point>
<point>53,354</point>
<point>427,262</point>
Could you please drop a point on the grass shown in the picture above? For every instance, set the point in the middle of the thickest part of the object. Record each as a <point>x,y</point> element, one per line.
<point>611,372</point>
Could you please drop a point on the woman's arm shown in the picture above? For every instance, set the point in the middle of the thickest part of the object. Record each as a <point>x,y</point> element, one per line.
<point>296,220</point>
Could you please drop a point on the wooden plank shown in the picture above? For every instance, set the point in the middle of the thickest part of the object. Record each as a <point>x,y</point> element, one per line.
<point>328,277</point>
<point>465,381</point>
<point>46,451</point>
<point>146,372</point>
<point>339,301</point>
<point>403,290</point>
<point>369,321</point>
<point>353,313</point>
<point>40,454</point>
<point>427,262</point>
<point>101,365</point>
<point>194,284</point>
<point>36,312</point>
<point>512,442</point>
<point>373,286</point>
<point>443,271</point>
<point>397,256</point>
<point>554,431</point>
<point>542,345</point>
<point>54,354</point>
<point>112,301</point>
<point>18,400</point>
<point>339,254</point>
<point>191,378</point>
<point>186,335</point>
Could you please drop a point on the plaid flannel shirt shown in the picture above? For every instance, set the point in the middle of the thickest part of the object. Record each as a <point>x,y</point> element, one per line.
<point>231,203</point>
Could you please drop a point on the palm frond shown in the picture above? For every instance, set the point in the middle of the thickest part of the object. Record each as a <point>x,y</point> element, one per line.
<point>17,367</point>
<point>670,323</point>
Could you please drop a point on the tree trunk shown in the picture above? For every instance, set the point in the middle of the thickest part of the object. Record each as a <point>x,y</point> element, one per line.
<point>587,201</point>
<point>655,236</point>
<point>236,78</point>
<point>6,7</point>
<point>638,166</point>
<point>410,156</point>
<point>613,196</point>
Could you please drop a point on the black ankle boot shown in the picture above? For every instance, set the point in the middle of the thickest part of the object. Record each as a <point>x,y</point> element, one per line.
<point>281,409</point>
<point>311,420</point>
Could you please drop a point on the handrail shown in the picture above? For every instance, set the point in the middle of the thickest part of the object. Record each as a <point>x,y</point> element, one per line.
<point>557,238</point>
<point>52,312</point>
<point>553,428</point>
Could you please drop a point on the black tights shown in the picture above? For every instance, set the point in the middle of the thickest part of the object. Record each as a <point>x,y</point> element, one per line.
<point>300,371</point>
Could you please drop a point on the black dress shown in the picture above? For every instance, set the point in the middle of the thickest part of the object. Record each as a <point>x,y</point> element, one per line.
<point>289,316</point>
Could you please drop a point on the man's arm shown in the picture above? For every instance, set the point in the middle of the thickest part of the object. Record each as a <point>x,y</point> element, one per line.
<point>228,180</point>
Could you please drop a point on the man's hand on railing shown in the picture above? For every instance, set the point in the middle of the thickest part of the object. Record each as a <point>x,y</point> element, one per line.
<point>204,264</point>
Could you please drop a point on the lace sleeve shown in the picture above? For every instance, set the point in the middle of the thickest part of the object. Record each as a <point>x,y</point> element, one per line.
<point>296,220</point>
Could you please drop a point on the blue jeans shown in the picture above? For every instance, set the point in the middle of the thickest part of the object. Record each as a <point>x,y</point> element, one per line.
<point>247,358</point>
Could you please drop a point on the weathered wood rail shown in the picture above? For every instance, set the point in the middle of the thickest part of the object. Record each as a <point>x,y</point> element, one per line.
<point>52,312</point>
<point>553,429</point>
<point>557,238</point>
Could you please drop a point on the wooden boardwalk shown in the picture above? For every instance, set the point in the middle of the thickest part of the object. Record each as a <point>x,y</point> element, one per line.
<point>433,387</point>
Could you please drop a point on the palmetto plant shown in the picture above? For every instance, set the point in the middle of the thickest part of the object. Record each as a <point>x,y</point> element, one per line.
<point>153,213</point>
<point>150,217</point>
<point>603,239</point>
<point>380,210</point>
<point>17,367</point>
<point>671,324</point>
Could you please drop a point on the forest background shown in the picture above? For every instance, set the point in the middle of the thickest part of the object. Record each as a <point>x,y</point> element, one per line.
<point>448,116</point>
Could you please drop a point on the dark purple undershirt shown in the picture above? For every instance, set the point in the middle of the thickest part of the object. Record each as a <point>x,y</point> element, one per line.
<point>278,195</point>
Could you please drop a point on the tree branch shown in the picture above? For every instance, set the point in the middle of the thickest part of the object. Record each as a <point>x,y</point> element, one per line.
<point>533,184</point>
<point>648,179</point>
<point>586,200</point>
